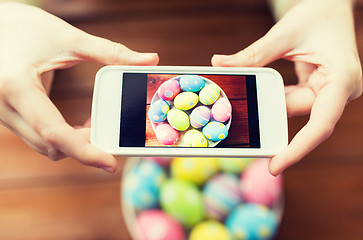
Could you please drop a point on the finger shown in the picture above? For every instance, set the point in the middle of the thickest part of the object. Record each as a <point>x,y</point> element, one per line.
<point>16,124</point>
<point>304,70</point>
<point>325,113</point>
<point>42,116</point>
<point>299,100</point>
<point>104,51</point>
<point>265,50</point>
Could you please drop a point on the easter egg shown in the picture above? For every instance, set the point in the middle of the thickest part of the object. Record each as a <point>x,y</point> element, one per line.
<point>166,134</point>
<point>178,119</point>
<point>221,194</point>
<point>215,131</point>
<point>251,222</point>
<point>200,116</point>
<point>234,165</point>
<point>211,230</point>
<point>155,224</point>
<point>141,186</point>
<point>186,100</point>
<point>191,83</point>
<point>169,89</point>
<point>195,170</point>
<point>194,138</point>
<point>183,201</point>
<point>258,185</point>
<point>158,111</point>
<point>221,110</point>
<point>209,94</point>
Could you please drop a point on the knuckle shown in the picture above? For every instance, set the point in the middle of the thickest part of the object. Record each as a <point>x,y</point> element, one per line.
<point>250,54</point>
<point>50,136</point>
<point>118,50</point>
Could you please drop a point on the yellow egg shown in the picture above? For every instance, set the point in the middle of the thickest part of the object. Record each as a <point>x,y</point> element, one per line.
<point>194,138</point>
<point>211,230</point>
<point>186,100</point>
<point>196,170</point>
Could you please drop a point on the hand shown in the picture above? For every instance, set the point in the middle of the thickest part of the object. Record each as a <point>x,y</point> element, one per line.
<point>319,37</point>
<point>32,44</point>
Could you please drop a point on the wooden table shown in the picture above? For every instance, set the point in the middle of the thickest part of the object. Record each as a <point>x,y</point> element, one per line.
<point>41,199</point>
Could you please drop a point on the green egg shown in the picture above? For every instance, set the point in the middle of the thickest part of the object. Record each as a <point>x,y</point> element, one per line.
<point>178,119</point>
<point>183,201</point>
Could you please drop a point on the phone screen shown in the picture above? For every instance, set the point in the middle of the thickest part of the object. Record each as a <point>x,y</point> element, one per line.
<point>141,90</point>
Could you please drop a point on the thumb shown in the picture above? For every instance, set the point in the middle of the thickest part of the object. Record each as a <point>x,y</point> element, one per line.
<point>265,50</point>
<point>104,51</point>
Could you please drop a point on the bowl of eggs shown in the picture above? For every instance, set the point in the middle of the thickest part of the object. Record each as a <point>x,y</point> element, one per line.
<point>201,198</point>
<point>190,111</point>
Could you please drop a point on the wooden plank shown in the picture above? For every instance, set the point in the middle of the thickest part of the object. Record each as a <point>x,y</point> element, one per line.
<point>86,211</point>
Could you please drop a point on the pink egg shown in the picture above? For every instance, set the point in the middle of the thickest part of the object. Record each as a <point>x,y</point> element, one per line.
<point>258,185</point>
<point>155,224</point>
<point>221,110</point>
<point>169,89</point>
<point>166,134</point>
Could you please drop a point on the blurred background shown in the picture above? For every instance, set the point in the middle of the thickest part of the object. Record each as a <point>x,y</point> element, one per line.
<point>41,199</point>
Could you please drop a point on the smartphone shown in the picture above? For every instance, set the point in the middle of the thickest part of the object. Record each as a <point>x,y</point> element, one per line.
<point>171,111</point>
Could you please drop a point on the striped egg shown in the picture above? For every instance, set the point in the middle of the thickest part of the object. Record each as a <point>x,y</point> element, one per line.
<point>158,111</point>
<point>200,116</point>
<point>220,195</point>
<point>215,131</point>
<point>209,94</point>
<point>191,83</point>
<point>186,100</point>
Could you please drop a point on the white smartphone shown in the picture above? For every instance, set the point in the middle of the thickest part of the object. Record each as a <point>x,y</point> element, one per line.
<point>189,111</point>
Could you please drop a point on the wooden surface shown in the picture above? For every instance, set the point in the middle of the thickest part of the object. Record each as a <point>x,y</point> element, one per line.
<point>40,199</point>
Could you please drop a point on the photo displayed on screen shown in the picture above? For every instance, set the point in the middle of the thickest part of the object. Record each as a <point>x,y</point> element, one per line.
<point>189,110</point>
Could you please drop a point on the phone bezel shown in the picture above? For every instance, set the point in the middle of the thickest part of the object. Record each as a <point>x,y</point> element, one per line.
<point>106,109</point>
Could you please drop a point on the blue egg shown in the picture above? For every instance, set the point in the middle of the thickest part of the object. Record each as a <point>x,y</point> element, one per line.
<point>141,186</point>
<point>191,83</point>
<point>252,221</point>
<point>158,111</point>
<point>215,131</point>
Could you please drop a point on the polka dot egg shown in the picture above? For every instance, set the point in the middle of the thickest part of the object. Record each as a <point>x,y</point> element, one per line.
<point>155,224</point>
<point>195,170</point>
<point>191,83</point>
<point>211,230</point>
<point>183,201</point>
<point>194,138</point>
<point>252,221</point>
<point>169,89</point>
<point>158,111</point>
<point>215,131</point>
<point>142,185</point>
<point>178,119</point>
<point>186,100</point>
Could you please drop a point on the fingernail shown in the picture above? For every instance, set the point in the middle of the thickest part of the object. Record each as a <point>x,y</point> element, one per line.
<point>147,55</point>
<point>108,169</point>
<point>223,57</point>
